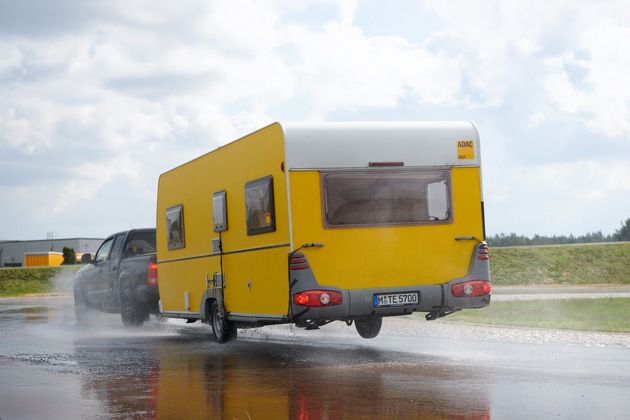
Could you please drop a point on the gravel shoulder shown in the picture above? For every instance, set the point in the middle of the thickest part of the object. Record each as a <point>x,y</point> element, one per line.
<point>512,293</point>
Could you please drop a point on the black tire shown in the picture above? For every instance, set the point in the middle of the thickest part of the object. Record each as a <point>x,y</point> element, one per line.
<point>368,327</point>
<point>80,305</point>
<point>222,329</point>
<point>131,313</point>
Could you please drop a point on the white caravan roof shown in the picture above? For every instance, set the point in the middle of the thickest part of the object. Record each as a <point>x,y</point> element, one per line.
<point>355,145</point>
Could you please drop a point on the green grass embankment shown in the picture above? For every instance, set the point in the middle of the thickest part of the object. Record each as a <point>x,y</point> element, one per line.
<point>588,314</point>
<point>36,280</point>
<point>570,265</point>
<point>561,265</point>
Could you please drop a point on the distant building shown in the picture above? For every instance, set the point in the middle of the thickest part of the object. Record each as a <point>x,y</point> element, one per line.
<point>14,253</point>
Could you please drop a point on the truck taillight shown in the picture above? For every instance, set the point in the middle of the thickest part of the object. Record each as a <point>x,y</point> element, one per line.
<point>152,274</point>
<point>317,298</point>
<point>471,288</point>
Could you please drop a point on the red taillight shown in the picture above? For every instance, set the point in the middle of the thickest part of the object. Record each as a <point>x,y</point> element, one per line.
<point>152,274</point>
<point>317,298</point>
<point>471,288</point>
<point>298,262</point>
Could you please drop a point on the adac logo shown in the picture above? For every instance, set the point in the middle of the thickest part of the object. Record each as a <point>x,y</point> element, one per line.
<point>465,149</point>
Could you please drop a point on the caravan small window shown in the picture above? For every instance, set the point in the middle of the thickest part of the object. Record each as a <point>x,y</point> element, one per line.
<point>260,212</point>
<point>175,227</point>
<point>386,198</point>
<point>219,211</point>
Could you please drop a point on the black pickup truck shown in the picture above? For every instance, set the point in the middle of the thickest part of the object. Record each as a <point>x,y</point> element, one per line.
<point>122,278</point>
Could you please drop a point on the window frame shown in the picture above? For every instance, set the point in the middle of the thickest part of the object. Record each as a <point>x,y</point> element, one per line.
<point>117,246</point>
<point>104,250</point>
<point>144,236</point>
<point>376,174</point>
<point>177,243</point>
<point>219,208</point>
<point>266,181</point>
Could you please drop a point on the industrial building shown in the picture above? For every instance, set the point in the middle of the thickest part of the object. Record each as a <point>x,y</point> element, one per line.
<point>44,252</point>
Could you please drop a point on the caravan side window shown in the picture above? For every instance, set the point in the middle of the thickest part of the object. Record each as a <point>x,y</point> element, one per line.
<point>259,206</point>
<point>386,198</point>
<point>175,227</point>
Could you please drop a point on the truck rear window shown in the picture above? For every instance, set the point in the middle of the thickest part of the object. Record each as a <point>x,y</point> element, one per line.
<point>386,198</point>
<point>141,243</point>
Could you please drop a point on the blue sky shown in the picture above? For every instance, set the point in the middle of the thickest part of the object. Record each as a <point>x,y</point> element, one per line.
<point>98,98</point>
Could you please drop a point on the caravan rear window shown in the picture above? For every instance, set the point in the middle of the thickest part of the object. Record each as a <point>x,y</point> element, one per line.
<point>386,198</point>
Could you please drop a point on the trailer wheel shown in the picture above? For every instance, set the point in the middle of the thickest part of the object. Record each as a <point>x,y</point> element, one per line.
<point>222,329</point>
<point>368,327</point>
<point>132,315</point>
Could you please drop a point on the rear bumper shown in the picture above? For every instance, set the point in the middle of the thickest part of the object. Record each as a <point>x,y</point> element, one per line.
<point>436,299</point>
<point>361,302</point>
<point>432,298</point>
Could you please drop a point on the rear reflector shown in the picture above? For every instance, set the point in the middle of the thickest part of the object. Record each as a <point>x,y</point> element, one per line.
<point>471,288</point>
<point>482,253</point>
<point>317,298</point>
<point>298,262</point>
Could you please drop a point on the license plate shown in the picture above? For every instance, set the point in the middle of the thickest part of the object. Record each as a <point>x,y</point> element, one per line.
<point>396,299</point>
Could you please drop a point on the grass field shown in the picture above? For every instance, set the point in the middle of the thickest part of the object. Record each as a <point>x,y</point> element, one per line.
<point>607,263</point>
<point>36,280</point>
<point>609,314</point>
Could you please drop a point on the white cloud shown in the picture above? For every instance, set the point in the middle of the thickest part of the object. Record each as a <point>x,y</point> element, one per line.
<point>494,39</point>
<point>559,197</point>
<point>601,99</point>
<point>11,57</point>
<point>341,68</point>
<point>27,126</point>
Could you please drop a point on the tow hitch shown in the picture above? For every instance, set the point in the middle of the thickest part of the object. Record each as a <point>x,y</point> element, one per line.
<point>437,313</point>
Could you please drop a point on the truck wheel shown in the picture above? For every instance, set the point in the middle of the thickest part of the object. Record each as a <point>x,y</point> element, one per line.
<point>131,314</point>
<point>222,329</point>
<point>368,327</point>
<point>80,306</point>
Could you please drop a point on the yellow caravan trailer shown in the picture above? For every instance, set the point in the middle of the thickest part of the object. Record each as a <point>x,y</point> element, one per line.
<point>313,223</point>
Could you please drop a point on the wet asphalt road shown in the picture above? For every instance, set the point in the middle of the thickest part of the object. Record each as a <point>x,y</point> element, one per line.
<point>52,368</point>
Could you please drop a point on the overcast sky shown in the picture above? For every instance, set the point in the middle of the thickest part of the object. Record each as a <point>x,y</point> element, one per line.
<point>98,98</point>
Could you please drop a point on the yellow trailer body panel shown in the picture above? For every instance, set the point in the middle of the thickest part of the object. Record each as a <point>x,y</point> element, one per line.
<point>258,282</point>
<point>251,262</point>
<point>369,257</point>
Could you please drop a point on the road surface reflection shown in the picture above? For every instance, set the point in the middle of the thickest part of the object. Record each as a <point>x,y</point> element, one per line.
<point>52,368</point>
<point>272,380</point>
<point>189,377</point>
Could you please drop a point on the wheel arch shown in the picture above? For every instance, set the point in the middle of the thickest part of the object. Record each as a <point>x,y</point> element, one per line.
<point>127,274</point>
<point>205,306</point>
<point>125,281</point>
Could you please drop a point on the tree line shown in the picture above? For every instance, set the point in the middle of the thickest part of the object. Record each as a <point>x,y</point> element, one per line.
<point>501,239</point>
